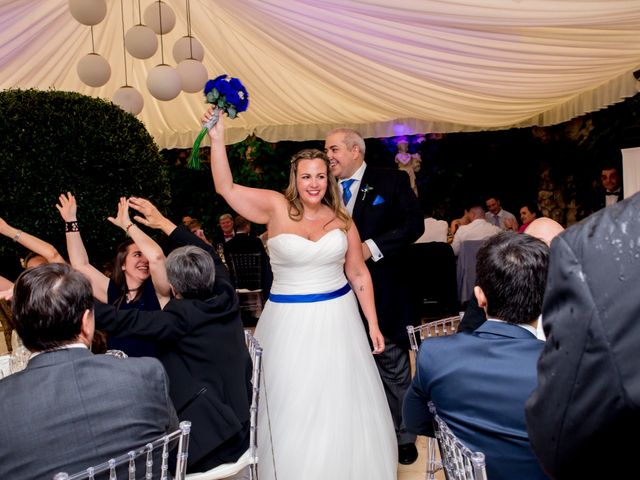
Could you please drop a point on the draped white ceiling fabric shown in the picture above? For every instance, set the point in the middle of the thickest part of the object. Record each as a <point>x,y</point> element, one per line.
<point>384,67</point>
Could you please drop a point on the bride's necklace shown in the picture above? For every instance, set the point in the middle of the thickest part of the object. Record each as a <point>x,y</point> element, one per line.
<point>307,217</point>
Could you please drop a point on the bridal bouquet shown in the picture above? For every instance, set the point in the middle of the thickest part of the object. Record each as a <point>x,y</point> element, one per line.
<point>229,96</point>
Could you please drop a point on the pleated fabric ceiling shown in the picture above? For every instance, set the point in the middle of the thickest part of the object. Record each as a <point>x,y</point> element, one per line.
<point>382,67</point>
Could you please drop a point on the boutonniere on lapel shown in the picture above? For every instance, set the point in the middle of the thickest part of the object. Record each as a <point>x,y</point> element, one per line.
<point>378,200</point>
<point>366,189</point>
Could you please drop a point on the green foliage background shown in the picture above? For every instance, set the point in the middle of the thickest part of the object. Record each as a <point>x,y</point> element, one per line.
<point>52,142</point>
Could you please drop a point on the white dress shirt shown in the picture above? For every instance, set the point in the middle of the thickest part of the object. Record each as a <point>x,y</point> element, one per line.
<point>503,215</point>
<point>479,229</point>
<point>434,231</point>
<point>376,254</point>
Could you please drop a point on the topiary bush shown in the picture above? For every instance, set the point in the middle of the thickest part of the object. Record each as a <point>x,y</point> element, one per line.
<point>53,142</point>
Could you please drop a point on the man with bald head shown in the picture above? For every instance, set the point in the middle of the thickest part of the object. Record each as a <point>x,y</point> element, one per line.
<point>544,228</point>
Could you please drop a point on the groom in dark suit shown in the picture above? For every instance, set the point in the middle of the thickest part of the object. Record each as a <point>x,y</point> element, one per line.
<point>71,409</point>
<point>388,216</point>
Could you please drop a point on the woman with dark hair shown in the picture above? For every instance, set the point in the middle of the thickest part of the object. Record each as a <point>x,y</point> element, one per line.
<point>528,213</point>
<point>328,415</point>
<point>139,279</point>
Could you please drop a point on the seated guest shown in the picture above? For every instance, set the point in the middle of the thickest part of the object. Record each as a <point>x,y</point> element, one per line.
<point>458,222</point>
<point>477,229</point>
<point>528,213</point>
<point>479,381</point>
<point>434,230</point>
<point>201,345</point>
<point>544,228</point>
<point>498,216</point>
<point>583,415</point>
<point>226,225</point>
<point>71,409</point>
<point>243,241</point>
<point>195,227</point>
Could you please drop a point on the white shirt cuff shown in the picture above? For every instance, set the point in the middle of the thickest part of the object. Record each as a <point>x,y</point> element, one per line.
<point>376,254</point>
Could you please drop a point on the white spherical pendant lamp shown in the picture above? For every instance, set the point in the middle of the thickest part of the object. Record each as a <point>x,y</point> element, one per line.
<point>88,12</point>
<point>129,99</point>
<point>164,82</point>
<point>193,75</point>
<point>188,47</point>
<point>94,70</point>
<point>152,16</point>
<point>141,42</point>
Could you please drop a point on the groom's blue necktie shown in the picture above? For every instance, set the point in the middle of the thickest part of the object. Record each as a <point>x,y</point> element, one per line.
<point>346,190</point>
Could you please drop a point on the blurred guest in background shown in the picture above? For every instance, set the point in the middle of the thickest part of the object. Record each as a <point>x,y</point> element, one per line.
<point>498,216</point>
<point>528,213</point>
<point>226,225</point>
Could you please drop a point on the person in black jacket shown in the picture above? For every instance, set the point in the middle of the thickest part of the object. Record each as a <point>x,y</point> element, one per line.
<point>200,343</point>
<point>585,407</point>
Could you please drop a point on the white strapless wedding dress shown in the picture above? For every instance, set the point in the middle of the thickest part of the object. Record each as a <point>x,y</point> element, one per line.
<point>323,412</point>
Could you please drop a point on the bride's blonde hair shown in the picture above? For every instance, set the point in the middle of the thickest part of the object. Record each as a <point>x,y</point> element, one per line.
<point>331,197</point>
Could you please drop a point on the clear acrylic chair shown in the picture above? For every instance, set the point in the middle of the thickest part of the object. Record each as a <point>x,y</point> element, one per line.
<point>250,457</point>
<point>437,328</point>
<point>458,461</point>
<point>148,453</point>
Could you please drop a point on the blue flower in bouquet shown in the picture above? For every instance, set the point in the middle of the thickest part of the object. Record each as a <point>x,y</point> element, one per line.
<point>229,96</point>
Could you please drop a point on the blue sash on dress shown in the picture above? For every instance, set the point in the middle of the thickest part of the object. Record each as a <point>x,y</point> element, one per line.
<point>309,298</point>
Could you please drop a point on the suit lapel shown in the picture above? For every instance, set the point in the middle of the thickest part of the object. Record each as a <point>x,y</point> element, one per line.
<point>359,206</point>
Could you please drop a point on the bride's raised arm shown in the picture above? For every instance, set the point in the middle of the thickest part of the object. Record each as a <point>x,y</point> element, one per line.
<point>255,204</point>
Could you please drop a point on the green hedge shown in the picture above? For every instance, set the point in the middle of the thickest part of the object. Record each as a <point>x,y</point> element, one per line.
<point>52,142</point>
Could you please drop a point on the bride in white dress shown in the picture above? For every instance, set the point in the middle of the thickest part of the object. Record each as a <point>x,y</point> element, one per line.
<point>323,412</point>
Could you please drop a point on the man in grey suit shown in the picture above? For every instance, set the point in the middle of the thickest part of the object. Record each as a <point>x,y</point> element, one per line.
<point>70,409</point>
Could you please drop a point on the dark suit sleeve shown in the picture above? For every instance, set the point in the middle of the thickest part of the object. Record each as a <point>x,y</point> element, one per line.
<point>407,220</point>
<point>578,394</point>
<point>162,325</point>
<point>161,382</point>
<point>182,236</point>
<point>415,409</point>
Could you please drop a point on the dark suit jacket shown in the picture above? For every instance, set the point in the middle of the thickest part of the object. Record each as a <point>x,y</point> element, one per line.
<point>598,201</point>
<point>389,213</point>
<point>70,409</point>
<point>479,383</point>
<point>201,345</point>
<point>588,393</point>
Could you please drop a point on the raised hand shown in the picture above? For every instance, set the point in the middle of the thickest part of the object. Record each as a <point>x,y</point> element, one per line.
<point>152,216</point>
<point>67,207</point>
<point>216,133</point>
<point>122,219</point>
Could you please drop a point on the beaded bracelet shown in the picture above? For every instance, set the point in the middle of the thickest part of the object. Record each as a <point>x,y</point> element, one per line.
<point>131,224</point>
<point>71,226</point>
